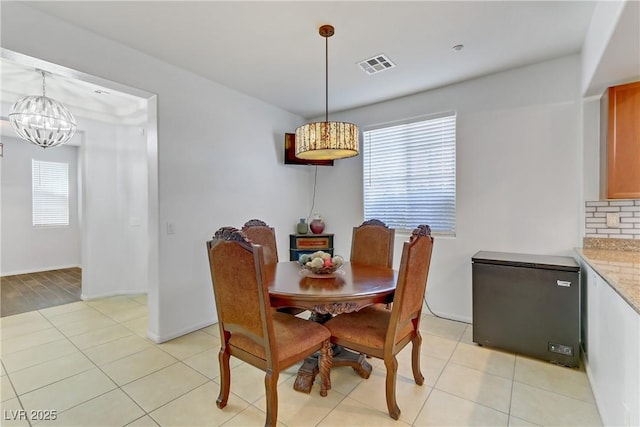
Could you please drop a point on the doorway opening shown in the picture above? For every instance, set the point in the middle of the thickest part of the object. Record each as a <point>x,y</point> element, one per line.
<point>116,246</point>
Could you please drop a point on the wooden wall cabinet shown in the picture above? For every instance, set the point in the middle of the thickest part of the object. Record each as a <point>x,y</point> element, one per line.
<point>620,142</point>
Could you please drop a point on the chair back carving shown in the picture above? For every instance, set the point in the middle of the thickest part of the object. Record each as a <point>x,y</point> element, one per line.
<point>241,295</point>
<point>372,244</point>
<point>412,280</point>
<point>258,232</point>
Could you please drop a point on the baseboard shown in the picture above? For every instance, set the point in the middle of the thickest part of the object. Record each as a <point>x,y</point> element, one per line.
<point>166,337</point>
<point>448,316</point>
<point>84,297</point>
<point>37,270</point>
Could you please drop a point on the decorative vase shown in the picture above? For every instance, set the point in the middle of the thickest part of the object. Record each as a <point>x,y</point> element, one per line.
<point>317,225</point>
<point>302,226</point>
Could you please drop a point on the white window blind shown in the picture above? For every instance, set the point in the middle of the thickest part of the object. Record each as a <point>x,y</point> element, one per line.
<point>50,192</point>
<point>410,174</point>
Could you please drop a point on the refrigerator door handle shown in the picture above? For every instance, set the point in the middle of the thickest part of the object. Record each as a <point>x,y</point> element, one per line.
<point>563,283</point>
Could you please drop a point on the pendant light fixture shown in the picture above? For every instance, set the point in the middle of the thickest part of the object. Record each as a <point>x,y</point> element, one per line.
<point>42,121</point>
<point>327,140</point>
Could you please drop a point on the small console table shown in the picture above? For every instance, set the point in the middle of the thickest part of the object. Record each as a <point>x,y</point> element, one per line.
<point>309,243</point>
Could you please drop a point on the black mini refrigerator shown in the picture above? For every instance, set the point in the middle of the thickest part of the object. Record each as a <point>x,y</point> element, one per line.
<point>527,304</point>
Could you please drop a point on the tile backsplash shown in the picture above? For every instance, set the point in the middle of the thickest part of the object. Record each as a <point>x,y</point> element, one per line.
<point>627,211</point>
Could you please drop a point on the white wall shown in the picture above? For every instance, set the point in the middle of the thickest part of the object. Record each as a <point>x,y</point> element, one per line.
<point>603,24</point>
<point>220,158</point>
<point>519,176</point>
<point>26,248</point>
<point>591,148</point>
<point>114,209</point>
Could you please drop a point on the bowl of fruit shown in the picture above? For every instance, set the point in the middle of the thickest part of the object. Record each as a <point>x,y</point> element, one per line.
<point>321,263</point>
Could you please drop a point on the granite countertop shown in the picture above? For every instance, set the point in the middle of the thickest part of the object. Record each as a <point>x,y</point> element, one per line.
<point>620,269</point>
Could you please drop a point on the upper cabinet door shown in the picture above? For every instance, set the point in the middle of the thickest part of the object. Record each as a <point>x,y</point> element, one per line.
<point>623,142</point>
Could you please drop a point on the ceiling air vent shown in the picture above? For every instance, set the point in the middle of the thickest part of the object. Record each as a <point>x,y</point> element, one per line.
<point>376,64</point>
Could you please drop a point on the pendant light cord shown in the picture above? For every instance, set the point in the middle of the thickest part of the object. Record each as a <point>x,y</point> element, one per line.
<point>326,110</point>
<point>43,86</point>
<point>313,200</point>
<point>326,79</point>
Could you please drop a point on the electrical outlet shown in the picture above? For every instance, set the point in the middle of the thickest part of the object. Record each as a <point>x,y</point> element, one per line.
<point>171,228</point>
<point>613,219</point>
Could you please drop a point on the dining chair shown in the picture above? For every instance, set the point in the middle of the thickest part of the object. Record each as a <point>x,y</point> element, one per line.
<point>261,234</point>
<point>383,333</point>
<point>249,329</point>
<point>372,244</point>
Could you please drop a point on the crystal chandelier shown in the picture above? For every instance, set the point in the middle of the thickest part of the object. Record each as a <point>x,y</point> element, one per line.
<point>327,140</point>
<point>42,121</point>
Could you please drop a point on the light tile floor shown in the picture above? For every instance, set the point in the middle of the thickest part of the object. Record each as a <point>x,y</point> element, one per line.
<point>92,364</point>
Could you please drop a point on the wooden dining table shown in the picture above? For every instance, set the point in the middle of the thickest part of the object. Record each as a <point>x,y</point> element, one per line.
<point>349,289</point>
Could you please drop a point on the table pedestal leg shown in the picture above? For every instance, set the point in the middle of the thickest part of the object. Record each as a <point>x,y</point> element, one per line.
<point>306,375</point>
<point>341,357</point>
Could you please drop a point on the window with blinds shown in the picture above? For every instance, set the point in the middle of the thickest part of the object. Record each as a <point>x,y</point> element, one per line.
<point>409,174</point>
<point>50,193</point>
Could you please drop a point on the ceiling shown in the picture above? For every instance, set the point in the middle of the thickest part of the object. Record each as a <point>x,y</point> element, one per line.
<point>85,99</point>
<point>272,50</point>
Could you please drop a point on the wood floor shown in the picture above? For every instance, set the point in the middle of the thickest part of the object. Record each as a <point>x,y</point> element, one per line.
<point>33,291</point>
